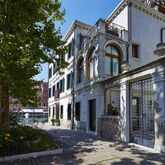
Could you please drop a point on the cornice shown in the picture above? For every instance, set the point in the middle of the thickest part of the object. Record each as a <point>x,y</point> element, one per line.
<point>148,10</point>
<point>140,6</point>
<point>74,25</point>
<point>117,11</point>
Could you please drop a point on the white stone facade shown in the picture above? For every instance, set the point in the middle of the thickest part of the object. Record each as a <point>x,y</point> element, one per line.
<point>114,70</point>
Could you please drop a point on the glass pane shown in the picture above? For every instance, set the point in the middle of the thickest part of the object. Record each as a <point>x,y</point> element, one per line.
<point>113,101</point>
<point>108,49</point>
<point>115,67</point>
<point>114,51</point>
<point>91,70</point>
<point>81,74</point>
<point>107,61</point>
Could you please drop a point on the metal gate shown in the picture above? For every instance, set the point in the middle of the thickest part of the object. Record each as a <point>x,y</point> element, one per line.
<point>142,112</point>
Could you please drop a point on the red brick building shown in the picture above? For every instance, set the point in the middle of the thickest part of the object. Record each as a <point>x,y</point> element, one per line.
<point>42,95</point>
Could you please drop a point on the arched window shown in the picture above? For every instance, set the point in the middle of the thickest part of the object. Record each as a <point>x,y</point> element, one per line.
<point>112,60</point>
<point>80,70</point>
<point>90,64</point>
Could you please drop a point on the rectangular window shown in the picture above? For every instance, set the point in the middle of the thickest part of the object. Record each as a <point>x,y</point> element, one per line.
<point>82,38</point>
<point>135,50</point>
<point>69,81</point>
<point>61,111</point>
<point>112,101</point>
<point>62,85</point>
<point>50,72</point>
<point>53,90</point>
<point>53,114</point>
<point>77,112</point>
<point>69,51</point>
<point>58,86</point>
<point>69,112</point>
<point>57,111</point>
<point>50,92</point>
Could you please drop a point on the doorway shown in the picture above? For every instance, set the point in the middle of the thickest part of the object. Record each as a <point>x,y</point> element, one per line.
<point>92,115</point>
<point>142,112</point>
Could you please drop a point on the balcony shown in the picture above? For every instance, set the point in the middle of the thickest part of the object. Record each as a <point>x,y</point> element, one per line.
<point>115,30</point>
<point>101,28</point>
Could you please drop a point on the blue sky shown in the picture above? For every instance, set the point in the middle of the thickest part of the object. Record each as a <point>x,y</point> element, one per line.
<point>88,11</point>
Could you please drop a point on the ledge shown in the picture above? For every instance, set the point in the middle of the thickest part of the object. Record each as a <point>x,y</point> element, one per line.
<point>33,154</point>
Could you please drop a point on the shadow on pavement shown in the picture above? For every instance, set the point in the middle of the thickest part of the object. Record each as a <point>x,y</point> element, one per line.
<point>78,145</point>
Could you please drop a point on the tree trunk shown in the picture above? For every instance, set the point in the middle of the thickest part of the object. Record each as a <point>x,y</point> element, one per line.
<point>4,104</point>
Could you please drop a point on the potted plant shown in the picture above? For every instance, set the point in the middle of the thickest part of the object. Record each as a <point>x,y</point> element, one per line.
<point>115,112</point>
<point>55,122</point>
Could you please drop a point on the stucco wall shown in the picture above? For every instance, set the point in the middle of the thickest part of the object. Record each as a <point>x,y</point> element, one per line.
<point>146,33</point>
<point>122,18</point>
<point>86,95</point>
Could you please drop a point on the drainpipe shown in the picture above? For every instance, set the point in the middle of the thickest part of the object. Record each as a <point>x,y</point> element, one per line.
<point>129,29</point>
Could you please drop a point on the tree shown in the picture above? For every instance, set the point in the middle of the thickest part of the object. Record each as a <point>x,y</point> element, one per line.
<point>28,38</point>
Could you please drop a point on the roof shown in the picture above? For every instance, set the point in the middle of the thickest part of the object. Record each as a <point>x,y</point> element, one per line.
<point>137,3</point>
<point>75,24</point>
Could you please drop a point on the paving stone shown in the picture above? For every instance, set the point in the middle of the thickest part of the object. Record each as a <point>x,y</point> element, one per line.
<point>84,149</point>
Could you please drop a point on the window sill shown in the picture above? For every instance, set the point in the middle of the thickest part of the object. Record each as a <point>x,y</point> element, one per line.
<point>135,59</point>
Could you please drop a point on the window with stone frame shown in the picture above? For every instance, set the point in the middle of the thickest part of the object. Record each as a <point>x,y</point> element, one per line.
<point>77,111</point>
<point>62,85</point>
<point>69,81</point>
<point>135,50</point>
<point>50,95</point>
<point>69,112</point>
<point>50,72</point>
<point>90,64</point>
<point>53,90</point>
<point>80,70</point>
<point>112,60</point>
<point>112,101</point>
<point>61,111</point>
<point>69,51</point>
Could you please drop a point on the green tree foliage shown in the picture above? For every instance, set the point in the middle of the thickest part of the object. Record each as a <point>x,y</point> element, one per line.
<point>28,38</point>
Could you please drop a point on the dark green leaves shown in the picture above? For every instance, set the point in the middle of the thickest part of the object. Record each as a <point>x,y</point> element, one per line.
<point>28,38</point>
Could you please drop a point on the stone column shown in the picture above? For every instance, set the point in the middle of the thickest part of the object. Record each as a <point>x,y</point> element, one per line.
<point>124,111</point>
<point>159,107</point>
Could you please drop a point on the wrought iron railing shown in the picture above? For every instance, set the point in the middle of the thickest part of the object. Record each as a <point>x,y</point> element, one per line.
<point>91,35</point>
<point>114,29</point>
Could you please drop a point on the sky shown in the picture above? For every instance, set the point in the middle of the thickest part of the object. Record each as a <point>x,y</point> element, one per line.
<point>87,11</point>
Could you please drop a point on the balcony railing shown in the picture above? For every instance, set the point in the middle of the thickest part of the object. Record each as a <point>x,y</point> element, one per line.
<point>94,32</point>
<point>114,29</point>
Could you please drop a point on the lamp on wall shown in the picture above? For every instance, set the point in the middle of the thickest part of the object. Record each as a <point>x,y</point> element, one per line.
<point>160,50</point>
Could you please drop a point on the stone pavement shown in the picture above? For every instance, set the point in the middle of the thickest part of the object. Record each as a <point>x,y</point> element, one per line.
<point>84,149</point>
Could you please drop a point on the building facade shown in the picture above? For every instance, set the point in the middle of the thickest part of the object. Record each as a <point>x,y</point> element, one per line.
<point>116,83</point>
